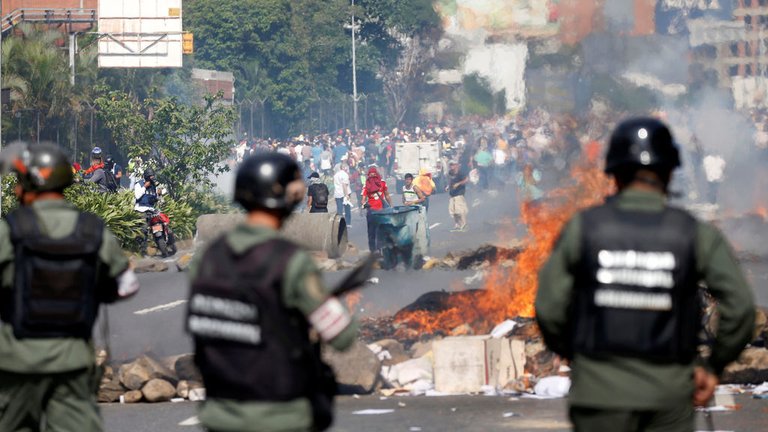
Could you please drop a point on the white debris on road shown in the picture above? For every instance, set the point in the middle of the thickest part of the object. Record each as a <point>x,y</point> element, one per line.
<point>192,421</point>
<point>373,411</point>
<point>160,308</point>
<point>552,387</point>
<point>503,329</point>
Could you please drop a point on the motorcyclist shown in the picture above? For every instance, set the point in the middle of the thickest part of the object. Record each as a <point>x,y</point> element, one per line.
<point>146,196</point>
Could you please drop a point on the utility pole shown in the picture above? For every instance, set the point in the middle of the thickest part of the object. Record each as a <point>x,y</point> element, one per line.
<point>354,70</point>
<point>1,85</point>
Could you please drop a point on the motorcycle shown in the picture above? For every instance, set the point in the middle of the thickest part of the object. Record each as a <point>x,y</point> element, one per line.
<point>160,228</point>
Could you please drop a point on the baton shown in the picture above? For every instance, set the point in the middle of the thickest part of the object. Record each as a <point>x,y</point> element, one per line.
<point>358,277</point>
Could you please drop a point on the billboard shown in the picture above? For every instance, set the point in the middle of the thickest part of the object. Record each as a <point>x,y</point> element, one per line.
<point>140,33</point>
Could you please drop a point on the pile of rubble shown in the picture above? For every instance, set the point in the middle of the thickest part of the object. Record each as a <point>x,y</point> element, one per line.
<point>477,259</point>
<point>147,379</point>
<point>511,358</point>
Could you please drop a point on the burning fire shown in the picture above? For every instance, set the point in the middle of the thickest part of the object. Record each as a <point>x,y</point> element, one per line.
<point>762,211</point>
<point>510,292</point>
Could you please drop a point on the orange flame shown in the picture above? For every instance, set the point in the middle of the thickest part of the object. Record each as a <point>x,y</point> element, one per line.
<point>762,211</point>
<point>510,292</point>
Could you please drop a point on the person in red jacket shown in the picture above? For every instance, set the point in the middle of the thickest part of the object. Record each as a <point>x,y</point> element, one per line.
<point>375,194</point>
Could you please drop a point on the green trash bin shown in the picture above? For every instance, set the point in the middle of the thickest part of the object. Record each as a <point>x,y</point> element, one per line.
<point>401,235</point>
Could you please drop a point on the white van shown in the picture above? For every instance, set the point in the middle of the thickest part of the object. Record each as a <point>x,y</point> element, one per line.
<point>410,157</point>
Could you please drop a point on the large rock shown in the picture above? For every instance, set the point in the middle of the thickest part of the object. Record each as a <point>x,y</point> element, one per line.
<point>182,264</point>
<point>761,326</point>
<point>158,390</point>
<point>110,391</point>
<point>184,387</point>
<point>750,368</point>
<point>185,368</point>
<point>135,374</point>
<point>357,369</point>
<point>133,396</point>
<point>149,265</point>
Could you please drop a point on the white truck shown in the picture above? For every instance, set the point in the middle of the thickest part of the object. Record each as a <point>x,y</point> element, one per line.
<point>410,157</point>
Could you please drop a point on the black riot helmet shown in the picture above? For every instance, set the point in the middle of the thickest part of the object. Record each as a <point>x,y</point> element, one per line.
<point>641,142</point>
<point>109,162</point>
<point>39,167</point>
<point>148,173</point>
<point>262,182</point>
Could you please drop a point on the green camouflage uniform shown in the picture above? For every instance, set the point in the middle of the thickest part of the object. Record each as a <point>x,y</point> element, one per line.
<point>50,379</point>
<point>303,290</point>
<point>630,390</point>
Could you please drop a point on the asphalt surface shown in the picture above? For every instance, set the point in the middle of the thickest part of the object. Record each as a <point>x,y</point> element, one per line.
<point>152,322</point>
<point>425,414</point>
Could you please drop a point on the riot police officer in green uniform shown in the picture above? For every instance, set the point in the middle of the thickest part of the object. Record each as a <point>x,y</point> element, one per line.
<point>57,265</point>
<point>618,297</point>
<point>255,299</point>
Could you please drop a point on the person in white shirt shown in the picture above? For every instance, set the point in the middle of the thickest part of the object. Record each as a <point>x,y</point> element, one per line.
<point>714,168</point>
<point>342,191</point>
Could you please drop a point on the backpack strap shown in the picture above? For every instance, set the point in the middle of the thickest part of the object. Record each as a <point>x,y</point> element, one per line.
<point>90,228</point>
<point>23,224</point>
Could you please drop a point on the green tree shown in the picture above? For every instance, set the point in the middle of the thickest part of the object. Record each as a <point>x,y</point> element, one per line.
<point>184,143</point>
<point>37,72</point>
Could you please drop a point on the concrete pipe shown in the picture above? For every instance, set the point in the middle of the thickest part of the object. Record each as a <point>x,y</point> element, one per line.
<point>325,232</point>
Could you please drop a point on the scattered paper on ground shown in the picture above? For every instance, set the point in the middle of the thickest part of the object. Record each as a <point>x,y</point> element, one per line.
<point>373,411</point>
<point>552,387</point>
<point>192,421</point>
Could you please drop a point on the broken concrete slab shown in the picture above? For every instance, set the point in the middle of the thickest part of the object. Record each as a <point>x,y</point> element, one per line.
<point>185,368</point>
<point>110,391</point>
<point>750,368</point>
<point>182,263</point>
<point>466,364</point>
<point>461,364</point>
<point>357,369</point>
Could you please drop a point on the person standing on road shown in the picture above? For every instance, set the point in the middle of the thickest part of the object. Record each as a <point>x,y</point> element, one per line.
<point>425,183</point>
<point>483,159</point>
<point>317,194</point>
<point>412,195</point>
<point>375,194</point>
<point>457,204</point>
<point>619,296</point>
<point>255,297</point>
<point>57,265</point>
<point>342,191</point>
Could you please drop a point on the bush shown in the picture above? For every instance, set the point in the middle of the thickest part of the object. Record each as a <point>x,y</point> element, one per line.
<point>116,209</point>
<point>9,202</point>
<point>183,217</point>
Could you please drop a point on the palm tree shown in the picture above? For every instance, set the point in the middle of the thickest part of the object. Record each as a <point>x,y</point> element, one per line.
<point>37,71</point>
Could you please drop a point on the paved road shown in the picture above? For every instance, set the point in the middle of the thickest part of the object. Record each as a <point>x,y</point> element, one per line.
<point>426,414</point>
<point>152,322</point>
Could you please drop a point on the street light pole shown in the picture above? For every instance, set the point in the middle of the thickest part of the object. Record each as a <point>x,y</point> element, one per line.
<point>354,70</point>
<point>1,85</point>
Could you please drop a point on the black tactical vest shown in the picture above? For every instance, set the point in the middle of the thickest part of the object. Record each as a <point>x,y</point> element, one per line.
<point>55,280</point>
<point>248,345</point>
<point>636,286</point>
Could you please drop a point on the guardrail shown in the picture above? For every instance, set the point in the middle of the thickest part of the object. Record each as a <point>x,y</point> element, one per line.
<point>48,16</point>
